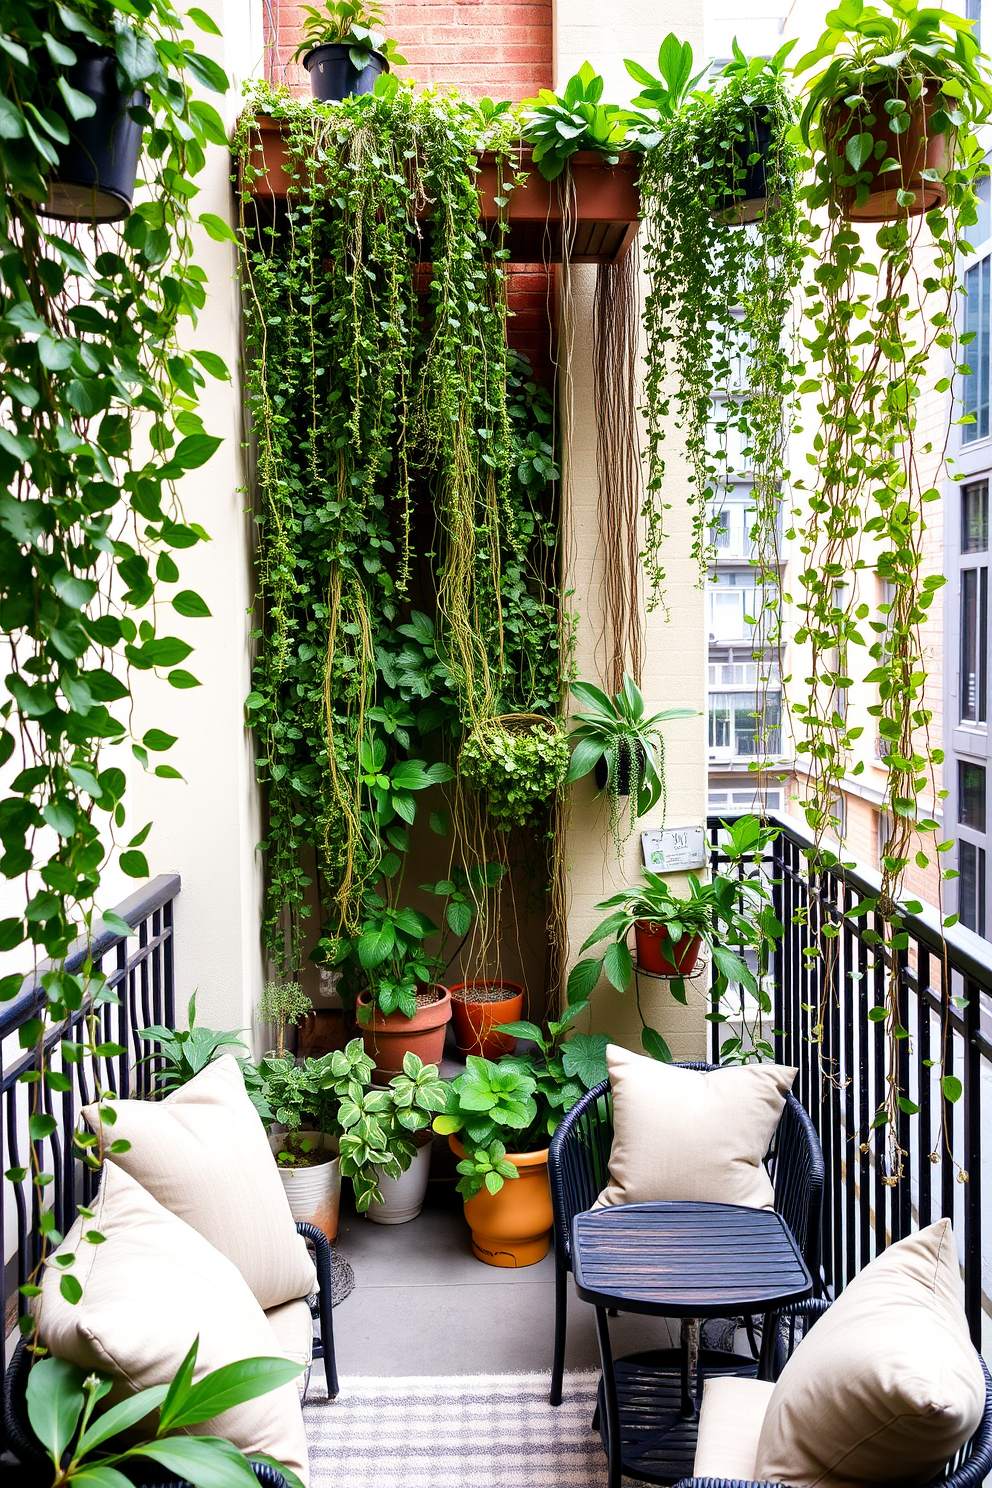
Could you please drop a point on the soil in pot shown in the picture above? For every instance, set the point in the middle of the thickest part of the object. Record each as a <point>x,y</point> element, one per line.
<point>624,751</point>
<point>94,179</point>
<point>334,76</point>
<point>657,954</point>
<point>512,1227</point>
<point>748,200</point>
<point>388,1036</point>
<point>313,1180</point>
<point>913,149</point>
<point>477,1008</point>
<point>403,1197</point>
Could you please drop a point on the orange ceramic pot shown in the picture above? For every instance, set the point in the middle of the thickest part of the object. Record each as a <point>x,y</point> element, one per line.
<point>657,954</point>
<point>388,1036</point>
<point>512,1227</point>
<point>474,1021</point>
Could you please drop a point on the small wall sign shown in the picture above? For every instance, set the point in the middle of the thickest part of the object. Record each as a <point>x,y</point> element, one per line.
<point>674,849</point>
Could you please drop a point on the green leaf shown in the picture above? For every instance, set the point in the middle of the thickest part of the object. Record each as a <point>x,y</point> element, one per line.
<point>653,1044</point>
<point>859,149</point>
<point>187,602</point>
<point>206,71</point>
<point>41,1125</point>
<point>193,451</point>
<point>213,365</point>
<point>232,1385</point>
<point>582,979</point>
<point>205,22</point>
<point>70,1288</point>
<point>951,1087</point>
<point>205,1461</point>
<point>134,864</point>
<point>216,228</point>
<point>618,965</point>
<point>157,740</point>
<point>55,1402</point>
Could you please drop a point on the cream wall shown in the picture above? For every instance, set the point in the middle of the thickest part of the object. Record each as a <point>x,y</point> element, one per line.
<point>674,673</point>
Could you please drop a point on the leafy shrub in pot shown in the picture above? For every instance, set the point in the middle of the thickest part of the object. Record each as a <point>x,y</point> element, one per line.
<point>343,50</point>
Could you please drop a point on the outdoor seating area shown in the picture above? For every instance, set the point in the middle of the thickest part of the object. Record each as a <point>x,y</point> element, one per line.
<point>494,984</point>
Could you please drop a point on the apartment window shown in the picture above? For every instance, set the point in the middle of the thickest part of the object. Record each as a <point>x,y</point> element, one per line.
<point>720,530</point>
<point>971,886</point>
<point>975,517</point>
<point>974,644</point>
<point>971,795</point>
<point>719,721</point>
<point>734,724</point>
<point>975,389</point>
<point>884,832</point>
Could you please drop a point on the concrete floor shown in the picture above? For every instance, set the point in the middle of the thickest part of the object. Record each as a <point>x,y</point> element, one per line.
<point>424,1305</point>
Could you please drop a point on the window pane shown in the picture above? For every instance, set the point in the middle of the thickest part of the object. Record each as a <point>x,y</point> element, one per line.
<point>974,644</point>
<point>971,891</point>
<point>975,390</point>
<point>975,517</point>
<point>971,795</point>
<point>747,723</point>
<point>719,721</point>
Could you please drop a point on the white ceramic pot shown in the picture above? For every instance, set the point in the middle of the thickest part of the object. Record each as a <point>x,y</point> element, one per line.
<point>403,1197</point>
<point>314,1192</point>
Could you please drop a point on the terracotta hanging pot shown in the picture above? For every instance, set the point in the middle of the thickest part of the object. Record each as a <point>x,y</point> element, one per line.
<point>388,1036</point>
<point>512,1227</point>
<point>657,954</point>
<point>915,149</point>
<point>477,1008</point>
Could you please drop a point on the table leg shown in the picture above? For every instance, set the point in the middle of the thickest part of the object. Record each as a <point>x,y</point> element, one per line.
<point>768,1358</point>
<point>689,1349</point>
<point>613,1445</point>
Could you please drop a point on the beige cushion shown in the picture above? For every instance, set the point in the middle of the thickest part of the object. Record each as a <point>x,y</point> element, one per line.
<point>692,1134</point>
<point>149,1289</point>
<point>887,1386</point>
<point>293,1327</point>
<point>203,1153</point>
<point>730,1420</point>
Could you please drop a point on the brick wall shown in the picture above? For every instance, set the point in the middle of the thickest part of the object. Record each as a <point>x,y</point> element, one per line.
<point>485,48</point>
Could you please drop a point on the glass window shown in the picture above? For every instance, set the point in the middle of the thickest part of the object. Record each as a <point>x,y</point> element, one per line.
<point>971,795</point>
<point>719,720</point>
<point>884,832</point>
<point>720,534</point>
<point>973,12</point>
<point>975,390</point>
<point>727,613</point>
<point>747,722</point>
<point>971,886</point>
<point>975,517</point>
<point>983,227</point>
<point>974,644</point>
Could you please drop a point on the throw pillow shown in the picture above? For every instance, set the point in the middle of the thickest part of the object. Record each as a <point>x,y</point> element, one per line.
<point>203,1153</point>
<point>887,1386</point>
<point>692,1134</point>
<point>149,1289</point>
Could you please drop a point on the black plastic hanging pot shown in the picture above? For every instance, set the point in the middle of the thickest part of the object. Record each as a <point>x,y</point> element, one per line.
<point>748,198</point>
<point>624,753</point>
<point>94,179</point>
<point>334,76</point>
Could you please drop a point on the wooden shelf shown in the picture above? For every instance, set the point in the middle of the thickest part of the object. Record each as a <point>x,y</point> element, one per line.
<point>605,201</point>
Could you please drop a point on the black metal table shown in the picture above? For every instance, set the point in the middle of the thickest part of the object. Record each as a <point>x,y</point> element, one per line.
<point>684,1260</point>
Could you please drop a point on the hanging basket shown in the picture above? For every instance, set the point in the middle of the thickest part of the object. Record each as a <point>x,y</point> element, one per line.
<point>746,200</point>
<point>489,759</point>
<point>94,179</point>
<point>916,149</point>
<point>334,76</point>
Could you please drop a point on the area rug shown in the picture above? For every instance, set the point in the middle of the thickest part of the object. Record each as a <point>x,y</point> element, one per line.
<point>455,1431</point>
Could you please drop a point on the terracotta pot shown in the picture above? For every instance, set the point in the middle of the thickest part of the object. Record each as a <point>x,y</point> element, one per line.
<point>512,1227</point>
<point>403,1197</point>
<point>314,1192</point>
<point>656,953</point>
<point>913,149</point>
<point>474,1021</point>
<point>388,1036</point>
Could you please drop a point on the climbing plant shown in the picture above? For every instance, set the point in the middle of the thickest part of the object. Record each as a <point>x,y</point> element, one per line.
<point>405,462</point>
<point>90,515</point>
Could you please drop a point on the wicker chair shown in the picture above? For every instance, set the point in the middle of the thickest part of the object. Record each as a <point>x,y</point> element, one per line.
<point>579,1163</point>
<point>970,1467</point>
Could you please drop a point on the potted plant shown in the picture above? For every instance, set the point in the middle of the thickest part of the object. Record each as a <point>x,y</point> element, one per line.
<point>730,915</point>
<point>883,116</point>
<point>283,1004</point>
<point>405,1009</point>
<point>623,745</point>
<point>477,1010</point>
<point>343,50</point>
<point>304,1099</point>
<point>391,1189</point>
<point>181,1053</point>
<point>498,1120</point>
<point>520,760</point>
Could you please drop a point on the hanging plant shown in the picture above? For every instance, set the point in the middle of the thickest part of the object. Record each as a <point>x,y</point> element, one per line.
<point>720,295</point>
<point>520,761</point>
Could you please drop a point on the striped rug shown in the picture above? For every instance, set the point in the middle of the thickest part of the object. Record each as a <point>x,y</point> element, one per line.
<point>455,1431</point>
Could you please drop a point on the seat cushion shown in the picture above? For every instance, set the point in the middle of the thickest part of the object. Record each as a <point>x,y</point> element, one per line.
<point>148,1290</point>
<point>203,1153</point>
<point>730,1420</point>
<point>887,1386</point>
<point>692,1134</point>
<point>293,1327</point>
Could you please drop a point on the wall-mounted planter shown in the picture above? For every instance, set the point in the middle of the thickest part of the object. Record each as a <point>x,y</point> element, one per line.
<point>605,200</point>
<point>94,179</point>
<point>658,955</point>
<point>334,76</point>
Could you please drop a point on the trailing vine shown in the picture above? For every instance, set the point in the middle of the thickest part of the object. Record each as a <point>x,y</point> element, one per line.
<point>89,513</point>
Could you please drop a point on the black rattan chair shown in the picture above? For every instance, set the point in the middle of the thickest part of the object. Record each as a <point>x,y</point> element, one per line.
<point>579,1168</point>
<point>970,1467</point>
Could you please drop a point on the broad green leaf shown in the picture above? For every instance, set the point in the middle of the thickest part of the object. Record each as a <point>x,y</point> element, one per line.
<point>232,1385</point>
<point>55,1402</point>
<point>189,603</point>
<point>205,1461</point>
<point>121,1417</point>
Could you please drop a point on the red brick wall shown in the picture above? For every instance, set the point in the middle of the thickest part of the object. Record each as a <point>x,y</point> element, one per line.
<point>485,48</point>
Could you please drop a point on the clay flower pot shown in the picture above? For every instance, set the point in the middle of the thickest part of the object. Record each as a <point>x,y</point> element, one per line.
<point>479,1007</point>
<point>313,1191</point>
<point>388,1036</point>
<point>657,954</point>
<point>512,1227</point>
<point>912,149</point>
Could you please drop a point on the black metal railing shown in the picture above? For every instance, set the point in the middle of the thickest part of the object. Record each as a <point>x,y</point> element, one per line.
<point>882,1181</point>
<point>139,972</point>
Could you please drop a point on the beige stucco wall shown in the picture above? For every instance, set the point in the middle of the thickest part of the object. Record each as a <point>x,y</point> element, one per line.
<point>674,673</point>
